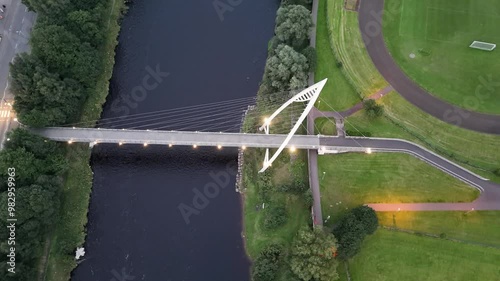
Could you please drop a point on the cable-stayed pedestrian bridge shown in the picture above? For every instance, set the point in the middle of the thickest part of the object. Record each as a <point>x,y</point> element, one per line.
<point>147,137</point>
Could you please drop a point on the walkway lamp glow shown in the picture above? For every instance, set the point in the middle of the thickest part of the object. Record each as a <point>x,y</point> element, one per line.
<point>120,143</point>
<point>145,144</point>
<point>369,150</point>
<point>15,119</point>
<point>292,149</point>
<point>195,146</point>
<point>243,147</point>
<point>70,142</point>
<point>219,146</point>
<point>170,145</point>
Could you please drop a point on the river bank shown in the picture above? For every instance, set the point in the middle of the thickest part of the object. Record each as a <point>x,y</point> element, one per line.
<point>70,232</point>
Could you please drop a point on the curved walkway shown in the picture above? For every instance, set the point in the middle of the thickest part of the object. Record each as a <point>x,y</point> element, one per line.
<point>370,24</point>
<point>489,198</point>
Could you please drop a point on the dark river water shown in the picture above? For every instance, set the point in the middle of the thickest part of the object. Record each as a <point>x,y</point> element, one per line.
<point>136,230</point>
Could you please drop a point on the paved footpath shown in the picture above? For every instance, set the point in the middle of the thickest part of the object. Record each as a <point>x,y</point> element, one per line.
<point>370,24</point>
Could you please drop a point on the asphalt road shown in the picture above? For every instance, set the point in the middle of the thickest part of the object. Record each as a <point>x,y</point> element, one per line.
<point>370,24</point>
<point>15,28</point>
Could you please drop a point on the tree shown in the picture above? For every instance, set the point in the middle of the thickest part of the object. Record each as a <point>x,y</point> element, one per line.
<point>53,9</point>
<point>367,217</point>
<point>65,54</point>
<point>350,233</point>
<point>25,163</point>
<point>43,98</point>
<point>266,265</point>
<point>86,26</point>
<point>286,70</point>
<point>373,110</point>
<point>310,53</point>
<point>312,256</point>
<point>293,24</point>
<point>35,144</point>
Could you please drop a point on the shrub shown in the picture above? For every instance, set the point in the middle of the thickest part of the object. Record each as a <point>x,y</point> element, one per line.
<point>373,110</point>
<point>310,54</point>
<point>367,217</point>
<point>358,133</point>
<point>266,265</point>
<point>275,215</point>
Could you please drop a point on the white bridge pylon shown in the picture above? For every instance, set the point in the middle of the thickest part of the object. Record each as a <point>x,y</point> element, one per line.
<point>309,95</point>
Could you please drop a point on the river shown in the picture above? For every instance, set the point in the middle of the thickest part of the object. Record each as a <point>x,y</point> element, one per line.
<point>136,230</point>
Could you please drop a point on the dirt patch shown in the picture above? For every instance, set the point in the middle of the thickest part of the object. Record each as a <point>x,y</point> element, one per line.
<point>351,5</point>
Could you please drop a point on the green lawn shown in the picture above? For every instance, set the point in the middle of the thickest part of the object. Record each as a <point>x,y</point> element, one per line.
<point>388,255</point>
<point>476,151</point>
<point>348,46</point>
<point>337,93</point>
<point>476,226</point>
<point>357,178</point>
<point>439,32</point>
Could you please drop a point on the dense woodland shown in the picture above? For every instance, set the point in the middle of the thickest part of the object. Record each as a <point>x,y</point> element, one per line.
<point>50,86</point>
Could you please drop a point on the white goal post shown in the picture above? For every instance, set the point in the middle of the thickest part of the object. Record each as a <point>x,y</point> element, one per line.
<point>483,46</point>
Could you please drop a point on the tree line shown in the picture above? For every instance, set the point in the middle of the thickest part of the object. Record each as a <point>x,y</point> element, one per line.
<point>50,86</point>
<point>39,166</point>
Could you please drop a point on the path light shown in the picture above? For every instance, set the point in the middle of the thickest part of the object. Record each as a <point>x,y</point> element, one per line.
<point>120,143</point>
<point>145,144</point>
<point>243,147</point>
<point>195,146</point>
<point>70,142</point>
<point>369,150</point>
<point>95,142</point>
<point>292,149</point>
<point>170,145</point>
<point>219,146</point>
<point>15,119</point>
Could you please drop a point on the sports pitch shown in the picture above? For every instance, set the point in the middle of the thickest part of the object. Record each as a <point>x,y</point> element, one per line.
<point>430,41</point>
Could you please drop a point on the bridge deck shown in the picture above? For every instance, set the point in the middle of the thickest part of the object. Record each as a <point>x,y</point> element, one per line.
<point>176,138</point>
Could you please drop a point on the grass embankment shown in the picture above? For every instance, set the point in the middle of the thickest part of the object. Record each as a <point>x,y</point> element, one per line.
<point>348,48</point>
<point>338,92</point>
<point>78,185</point>
<point>476,151</point>
<point>389,255</point>
<point>355,179</point>
<point>282,173</point>
<point>439,32</point>
<point>476,226</point>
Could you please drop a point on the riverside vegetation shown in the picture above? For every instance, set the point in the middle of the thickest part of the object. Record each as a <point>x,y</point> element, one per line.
<point>64,79</point>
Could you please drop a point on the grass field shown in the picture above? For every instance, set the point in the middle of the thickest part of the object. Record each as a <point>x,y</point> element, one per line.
<point>338,92</point>
<point>348,46</point>
<point>394,256</point>
<point>478,226</point>
<point>439,32</point>
<point>471,149</point>
<point>355,179</point>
